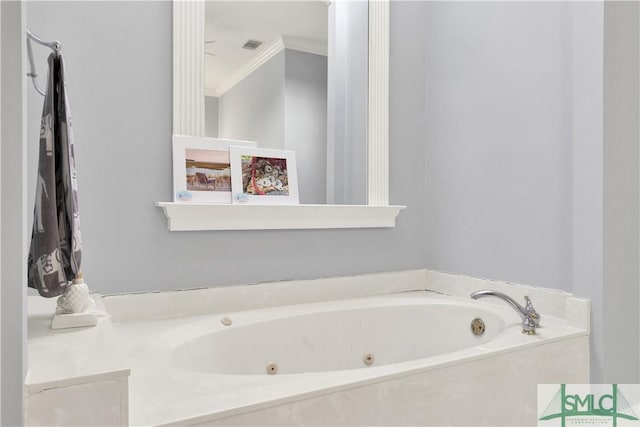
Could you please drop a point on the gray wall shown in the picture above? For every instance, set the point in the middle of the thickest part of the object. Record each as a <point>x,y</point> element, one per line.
<point>13,229</point>
<point>305,82</point>
<point>211,116</point>
<point>254,108</point>
<point>587,197</point>
<point>122,122</point>
<point>621,203</point>
<point>498,129</point>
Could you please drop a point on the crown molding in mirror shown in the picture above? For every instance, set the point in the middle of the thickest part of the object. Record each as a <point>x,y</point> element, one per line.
<point>188,119</point>
<point>268,52</point>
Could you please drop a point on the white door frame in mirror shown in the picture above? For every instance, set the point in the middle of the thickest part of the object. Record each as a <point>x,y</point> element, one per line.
<point>188,119</point>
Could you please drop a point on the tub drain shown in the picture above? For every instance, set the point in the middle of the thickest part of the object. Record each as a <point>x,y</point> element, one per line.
<point>272,368</point>
<point>477,326</point>
<point>368,358</point>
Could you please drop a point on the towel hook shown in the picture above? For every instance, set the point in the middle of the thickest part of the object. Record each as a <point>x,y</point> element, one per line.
<point>54,45</point>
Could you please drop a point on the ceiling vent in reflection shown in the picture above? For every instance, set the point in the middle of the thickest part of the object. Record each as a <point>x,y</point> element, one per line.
<point>252,44</point>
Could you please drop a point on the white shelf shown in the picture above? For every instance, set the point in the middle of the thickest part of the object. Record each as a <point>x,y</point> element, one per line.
<point>209,216</point>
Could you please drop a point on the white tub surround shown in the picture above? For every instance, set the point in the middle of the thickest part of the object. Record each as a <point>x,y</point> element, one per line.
<point>201,357</point>
<point>76,376</point>
<point>190,302</point>
<point>576,311</point>
<point>497,390</point>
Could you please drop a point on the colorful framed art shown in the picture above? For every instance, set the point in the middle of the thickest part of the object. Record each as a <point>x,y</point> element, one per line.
<point>201,168</point>
<point>263,176</point>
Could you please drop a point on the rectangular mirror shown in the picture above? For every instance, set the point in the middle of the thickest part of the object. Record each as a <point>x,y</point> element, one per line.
<point>334,116</point>
<point>265,73</point>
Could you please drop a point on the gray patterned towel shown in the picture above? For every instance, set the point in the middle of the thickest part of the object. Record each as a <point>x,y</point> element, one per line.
<point>56,248</point>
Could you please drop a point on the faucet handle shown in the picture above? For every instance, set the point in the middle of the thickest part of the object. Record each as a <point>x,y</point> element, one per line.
<point>531,311</point>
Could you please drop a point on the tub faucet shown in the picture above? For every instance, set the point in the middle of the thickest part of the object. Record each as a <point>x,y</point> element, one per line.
<point>528,314</point>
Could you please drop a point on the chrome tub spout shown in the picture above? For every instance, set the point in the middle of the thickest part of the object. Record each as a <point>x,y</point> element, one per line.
<point>528,314</point>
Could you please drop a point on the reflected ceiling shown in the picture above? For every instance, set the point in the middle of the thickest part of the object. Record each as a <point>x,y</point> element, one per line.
<point>229,24</point>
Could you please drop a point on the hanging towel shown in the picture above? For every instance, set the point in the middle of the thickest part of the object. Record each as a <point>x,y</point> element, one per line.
<point>56,247</point>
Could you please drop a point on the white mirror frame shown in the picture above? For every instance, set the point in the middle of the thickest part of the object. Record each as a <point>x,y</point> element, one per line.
<point>188,119</point>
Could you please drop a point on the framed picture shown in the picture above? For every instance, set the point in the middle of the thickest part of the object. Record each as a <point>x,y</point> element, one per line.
<point>263,176</point>
<point>201,168</point>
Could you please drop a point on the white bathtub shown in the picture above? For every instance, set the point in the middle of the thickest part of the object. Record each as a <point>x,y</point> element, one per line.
<point>306,339</point>
<point>428,368</point>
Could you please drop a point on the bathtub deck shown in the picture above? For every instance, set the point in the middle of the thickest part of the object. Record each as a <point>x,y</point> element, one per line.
<point>160,393</point>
